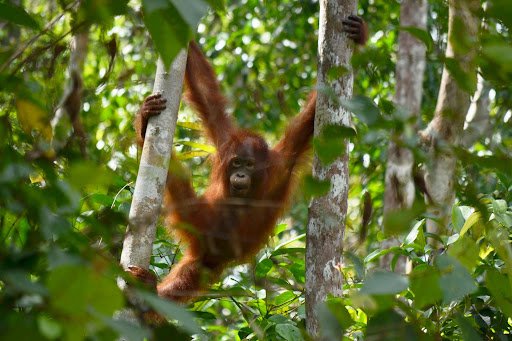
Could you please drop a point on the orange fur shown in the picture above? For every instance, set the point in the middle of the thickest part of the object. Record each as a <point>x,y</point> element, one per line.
<point>218,229</point>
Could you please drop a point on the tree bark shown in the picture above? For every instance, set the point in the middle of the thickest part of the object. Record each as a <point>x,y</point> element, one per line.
<point>152,175</point>
<point>327,214</point>
<point>477,119</point>
<point>70,105</point>
<point>154,163</point>
<point>445,129</point>
<point>410,68</point>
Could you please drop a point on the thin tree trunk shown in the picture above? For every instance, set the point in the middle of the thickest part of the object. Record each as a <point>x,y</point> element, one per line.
<point>400,189</point>
<point>152,175</point>
<point>154,163</point>
<point>445,129</point>
<point>477,119</point>
<point>67,115</point>
<point>327,214</point>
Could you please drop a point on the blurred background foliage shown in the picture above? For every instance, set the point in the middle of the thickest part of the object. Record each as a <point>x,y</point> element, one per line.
<point>63,212</point>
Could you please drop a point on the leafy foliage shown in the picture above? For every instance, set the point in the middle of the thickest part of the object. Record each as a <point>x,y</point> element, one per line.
<point>63,214</point>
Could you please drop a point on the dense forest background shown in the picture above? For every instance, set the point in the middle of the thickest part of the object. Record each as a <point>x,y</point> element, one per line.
<point>69,161</point>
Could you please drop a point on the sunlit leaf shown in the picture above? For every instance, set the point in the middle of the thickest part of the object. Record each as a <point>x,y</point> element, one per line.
<point>425,285</point>
<point>33,117</point>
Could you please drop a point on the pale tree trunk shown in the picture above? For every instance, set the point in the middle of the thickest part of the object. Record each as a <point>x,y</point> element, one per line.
<point>70,105</point>
<point>327,214</point>
<point>477,119</point>
<point>445,129</point>
<point>410,67</point>
<point>154,163</point>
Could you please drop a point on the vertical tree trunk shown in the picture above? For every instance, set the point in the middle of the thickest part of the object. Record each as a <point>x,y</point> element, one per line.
<point>410,67</point>
<point>445,129</point>
<point>327,214</point>
<point>70,105</point>
<point>154,162</point>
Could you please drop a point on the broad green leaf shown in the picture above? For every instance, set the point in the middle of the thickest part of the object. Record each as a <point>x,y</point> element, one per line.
<point>331,143</point>
<point>389,326</point>
<point>101,11</point>
<point>74,290</point>
<point>468,331</point>
<point>315,188</point>
<point>419,34</point>
<point>364,109</point>
<point>191,11</point>
<point>457,218</point>
<point>49,327</point>
<point>411,237</point>
<point>33,117</point>
<point>465,251</point>
<point>263,267</point>
<point>17,15</point>
<point>217,5</point>
<point>500,54</point>
<point>336,72</point>
<point>499,286</point>
<point>384,283</point>
<point>288,332</point>
<point>425,285</point>
<point>465,80</point>
<point>169,31</point>
<point>475,219</point>
<point>455,280</point>
<point>284,298</point>
<point>399,222</point>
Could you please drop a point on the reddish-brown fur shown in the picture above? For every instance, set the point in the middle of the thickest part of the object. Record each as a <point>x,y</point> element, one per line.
<point>218,228</point>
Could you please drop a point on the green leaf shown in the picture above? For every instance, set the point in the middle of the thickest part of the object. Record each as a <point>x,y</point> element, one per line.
<point>384,283</point>
<point>364,109</point>
<point>465,251</point>
<point>336,72</point>
<point>284,298</point>
<point>468,331</point>
<point>288,332</point>
<point>419,34</point>
<point>217,5</point>
<point>263,267</point>
<point>76,289</point>
<point>331,143</point>
<point>191,11</point>
<point>499,286</point>
<point>101,11</point>
<point>398,222</point>
<point>315,188</point>
<point>457,218</point>
<point>171,311</point>
<point>465,80</point>
<point>455,280</point>
<point>169,31</point>
<point>17,15</point>
<point>411,237</point>
<point>425,285</point>
<point>474,220</point>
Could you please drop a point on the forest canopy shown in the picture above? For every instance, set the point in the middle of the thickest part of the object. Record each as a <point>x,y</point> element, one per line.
<point>432,97</point>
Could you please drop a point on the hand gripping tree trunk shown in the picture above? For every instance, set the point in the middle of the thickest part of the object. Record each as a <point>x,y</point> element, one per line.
<point>154,163</point>
<point>445,129</point>
<point>410,67</point>
<point>327,214</point>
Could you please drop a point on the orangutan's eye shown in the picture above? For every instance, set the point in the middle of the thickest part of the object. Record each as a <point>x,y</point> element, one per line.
<point>236,163</point>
